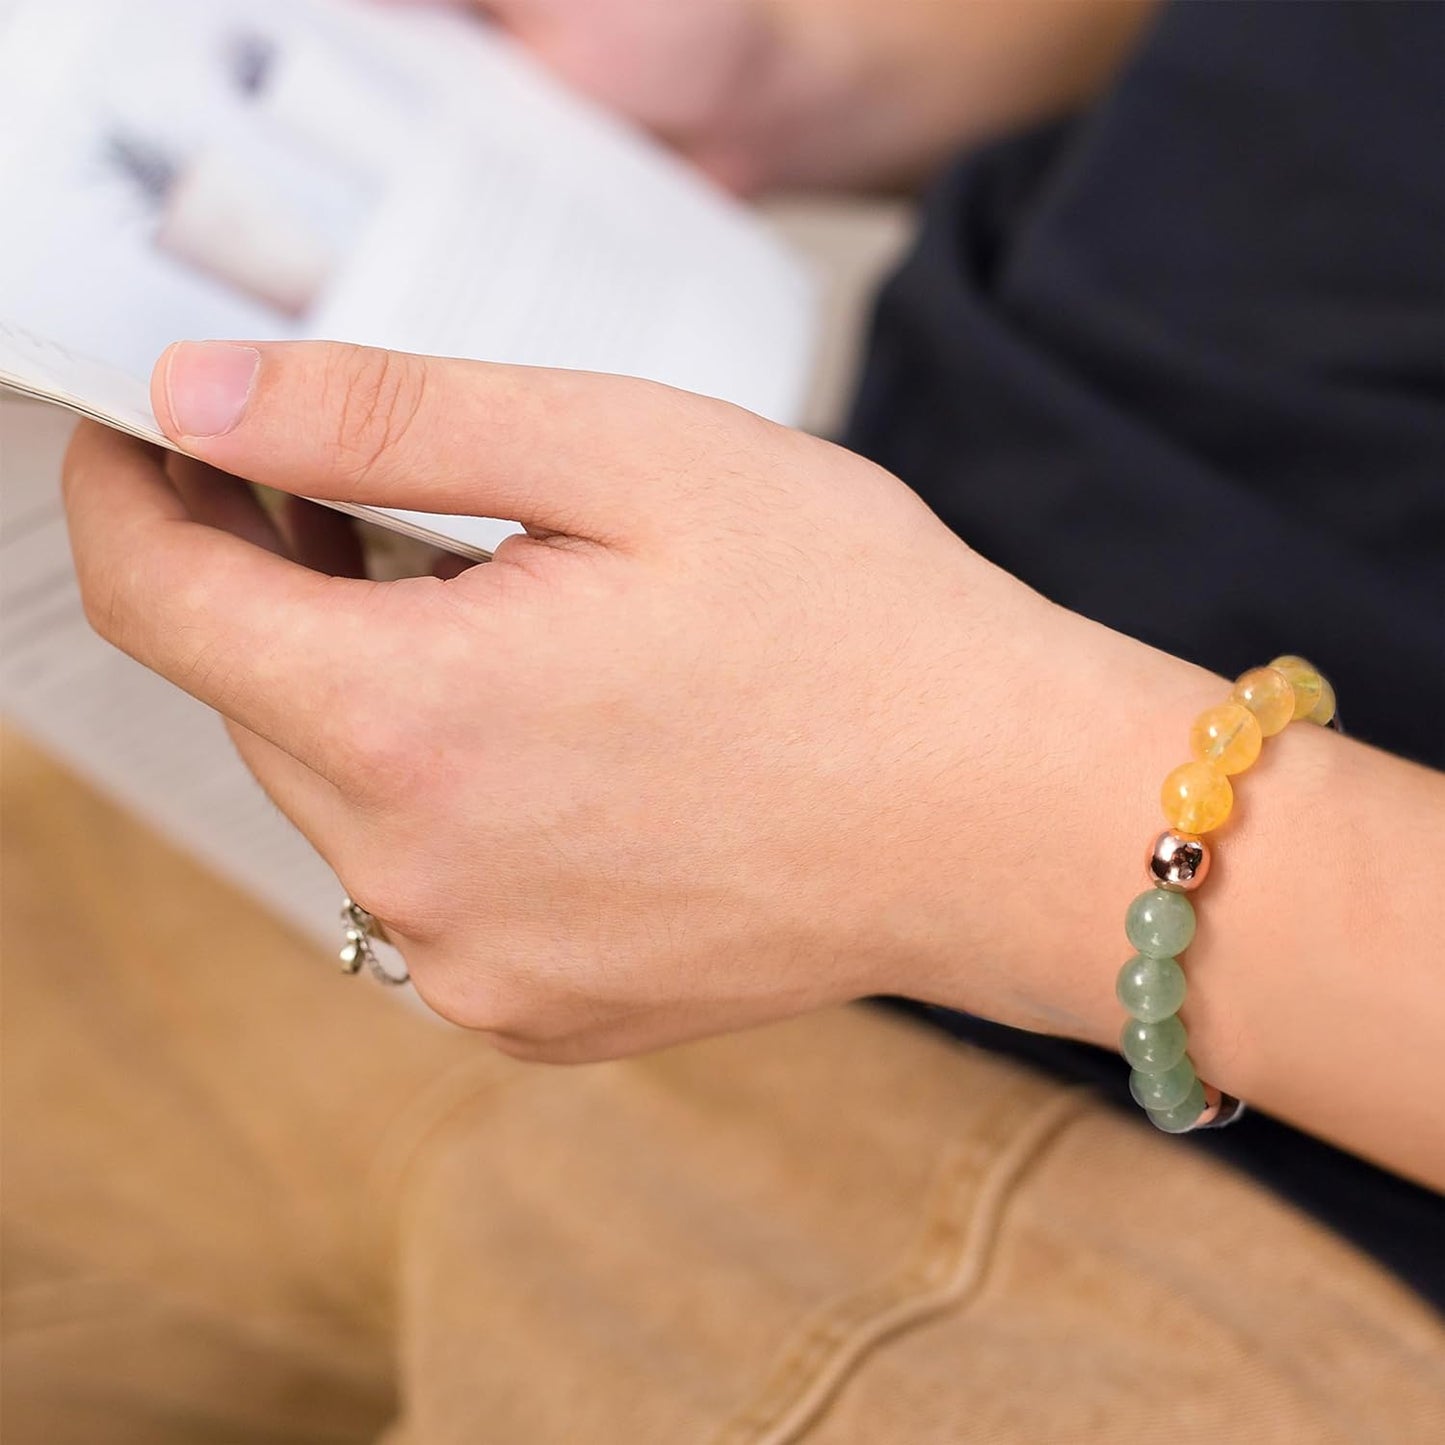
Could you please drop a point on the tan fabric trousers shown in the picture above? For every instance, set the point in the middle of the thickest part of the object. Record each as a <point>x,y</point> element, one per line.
<point>247,1200</point>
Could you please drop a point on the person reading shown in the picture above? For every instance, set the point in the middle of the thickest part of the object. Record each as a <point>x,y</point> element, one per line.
<point>746,725</point>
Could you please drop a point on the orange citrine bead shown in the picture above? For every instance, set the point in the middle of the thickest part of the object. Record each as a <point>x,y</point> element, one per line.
<point>1323,711</point>
<point>1228,736</point>
<point>1267,693</point>
<point>1306,682</point>
<point>1196,797</point>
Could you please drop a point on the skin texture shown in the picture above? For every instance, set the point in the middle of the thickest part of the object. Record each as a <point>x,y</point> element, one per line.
<point>769,93</point>
<point>741,730</point>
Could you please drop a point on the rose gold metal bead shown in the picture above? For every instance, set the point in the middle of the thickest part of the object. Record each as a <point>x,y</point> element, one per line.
<point>1178,861</point>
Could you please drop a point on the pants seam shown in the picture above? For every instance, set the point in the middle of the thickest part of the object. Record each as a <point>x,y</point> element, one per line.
<point>943,1272</point>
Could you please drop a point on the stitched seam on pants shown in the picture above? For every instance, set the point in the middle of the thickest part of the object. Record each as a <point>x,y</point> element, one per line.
<point>428,1114</point>
<point>943,1271</point>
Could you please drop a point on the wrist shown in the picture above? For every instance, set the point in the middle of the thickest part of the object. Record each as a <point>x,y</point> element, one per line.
<point>1312,989</point>
<point>1047,849</point>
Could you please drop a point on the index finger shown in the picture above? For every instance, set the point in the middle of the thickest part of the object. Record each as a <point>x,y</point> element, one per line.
<point>257,637</point>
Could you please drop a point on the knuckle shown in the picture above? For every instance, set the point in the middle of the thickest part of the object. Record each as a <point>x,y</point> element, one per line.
<point>374,396</point>
<point>400,877</point>
<point>463,1000</point>
<point>405,902</point>
<point>528,1050</point>
<point>104,600</point>
<point>512,1014</point>
<point>98,601</point>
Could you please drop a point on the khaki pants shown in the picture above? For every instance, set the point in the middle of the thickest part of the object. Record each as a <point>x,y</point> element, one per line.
<point>248,1200</point>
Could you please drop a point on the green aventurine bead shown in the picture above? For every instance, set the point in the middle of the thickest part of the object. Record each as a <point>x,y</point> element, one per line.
<point>1163,1091</point>
<point>1181,1116</point>
<point>1153,1048</point>
<point>1160,923</point>
<point>1150,988</point>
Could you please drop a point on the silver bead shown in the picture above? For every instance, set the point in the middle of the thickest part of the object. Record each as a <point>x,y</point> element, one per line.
<point>1178,861</point>
<point>1220,1109</point>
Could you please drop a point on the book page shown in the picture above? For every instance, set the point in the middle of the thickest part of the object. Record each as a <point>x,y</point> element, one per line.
<point>328,168</point>
<point>43,370</point>
<point>38,367</point>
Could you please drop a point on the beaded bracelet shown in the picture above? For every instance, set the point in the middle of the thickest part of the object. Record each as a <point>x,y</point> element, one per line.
<point>1197,798</point>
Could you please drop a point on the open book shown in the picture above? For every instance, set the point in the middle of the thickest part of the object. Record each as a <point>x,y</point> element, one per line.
<point>267,169</point>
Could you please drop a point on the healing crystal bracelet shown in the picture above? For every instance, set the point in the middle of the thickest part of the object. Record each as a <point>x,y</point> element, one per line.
<point>1197,798</point>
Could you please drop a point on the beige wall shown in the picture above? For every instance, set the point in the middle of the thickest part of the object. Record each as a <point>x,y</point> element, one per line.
<point>851,244</point>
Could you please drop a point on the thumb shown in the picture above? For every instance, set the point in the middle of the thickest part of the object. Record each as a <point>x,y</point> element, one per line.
<point>568,451</point>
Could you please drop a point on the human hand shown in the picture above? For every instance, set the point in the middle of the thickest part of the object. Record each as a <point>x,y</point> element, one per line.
<point>738,731</point>
<point>769,93</point>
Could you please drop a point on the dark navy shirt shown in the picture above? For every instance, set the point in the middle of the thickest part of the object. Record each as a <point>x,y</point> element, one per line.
<point>1179,363</point>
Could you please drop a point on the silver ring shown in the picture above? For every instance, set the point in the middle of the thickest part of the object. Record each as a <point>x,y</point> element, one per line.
<point>362,932</point>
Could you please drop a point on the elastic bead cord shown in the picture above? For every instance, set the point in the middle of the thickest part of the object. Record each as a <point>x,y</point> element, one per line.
<point>1197,797</point>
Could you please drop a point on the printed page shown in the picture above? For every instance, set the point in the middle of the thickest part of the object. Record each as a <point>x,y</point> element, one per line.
<point>328,168</point>
<point>525,225</point>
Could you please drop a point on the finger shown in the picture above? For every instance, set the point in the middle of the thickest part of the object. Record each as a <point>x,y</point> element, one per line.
<point>318,537</point>
<point>314,804</point>
<point>318,809</point>
<point>255,636</point>
<point>447,565</point>
<point>227,503</point>
<point>323,538</point>
<point>576,452</point>
<point>336,828</point>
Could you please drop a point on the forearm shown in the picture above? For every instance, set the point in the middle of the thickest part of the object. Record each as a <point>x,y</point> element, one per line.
<point>1316,987</point>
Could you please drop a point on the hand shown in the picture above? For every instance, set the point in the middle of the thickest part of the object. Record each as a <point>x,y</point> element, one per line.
<point>738,731</point>
<point>767,93</point>
<point>728,737</point>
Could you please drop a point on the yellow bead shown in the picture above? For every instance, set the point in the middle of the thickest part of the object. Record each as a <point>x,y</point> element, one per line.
<point>1305,681</point>
<point>1323,712</point>
<point>1267,693</point>
<point>1227,736</point>
<point>1196,797</point>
